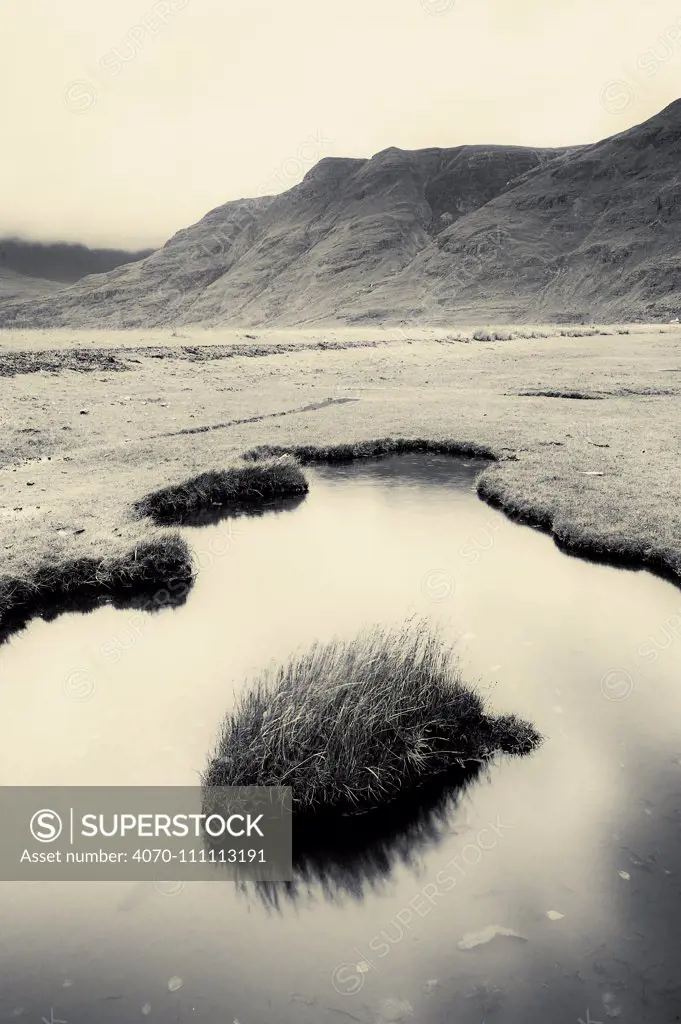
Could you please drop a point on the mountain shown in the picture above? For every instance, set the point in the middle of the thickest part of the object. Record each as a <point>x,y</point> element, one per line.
<point>594,234</point>
<point>18,286</point>
<point>428,236</point>
<point>61,261</point>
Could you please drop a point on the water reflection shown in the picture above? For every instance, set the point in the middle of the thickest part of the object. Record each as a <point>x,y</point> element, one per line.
<point>215,514</point>
<point>86,585</point>
<point>148,596</point>
<point>590,822</point>
<point>341,856</point>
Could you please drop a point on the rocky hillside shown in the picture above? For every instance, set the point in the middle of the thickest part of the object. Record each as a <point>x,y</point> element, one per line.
<point>429,236</point>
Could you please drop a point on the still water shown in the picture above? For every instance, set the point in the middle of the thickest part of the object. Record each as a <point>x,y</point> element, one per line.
<point>572,855</point>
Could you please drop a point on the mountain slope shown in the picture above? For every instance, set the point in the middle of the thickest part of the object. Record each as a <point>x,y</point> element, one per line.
<point>307,254</point>
<point>436,235</point>
<point>596,233</point>
<point>19,287</point>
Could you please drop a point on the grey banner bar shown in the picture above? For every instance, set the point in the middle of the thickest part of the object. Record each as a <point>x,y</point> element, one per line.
<point>145,833</point>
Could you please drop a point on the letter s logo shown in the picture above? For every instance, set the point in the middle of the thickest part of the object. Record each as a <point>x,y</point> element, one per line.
<point>46,826</point>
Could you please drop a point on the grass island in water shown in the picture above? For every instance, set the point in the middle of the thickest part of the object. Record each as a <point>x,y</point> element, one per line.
<point>351,725</point>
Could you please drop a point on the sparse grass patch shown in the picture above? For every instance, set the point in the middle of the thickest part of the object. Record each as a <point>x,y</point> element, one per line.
<point>556,393</point>
<point>310,453</point>
<point>14,363</point>
<point>589,332</point>
<point>351,725</point>
<point>486,334</point>
<point>240,488</point>
<point>158,573</point>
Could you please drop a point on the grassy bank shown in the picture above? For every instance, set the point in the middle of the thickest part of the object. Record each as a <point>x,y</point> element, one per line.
<point>337,453</point>
<point>237,489</point>
<point>610,548</point>
<point>156,574</point>
<point>353,725</point>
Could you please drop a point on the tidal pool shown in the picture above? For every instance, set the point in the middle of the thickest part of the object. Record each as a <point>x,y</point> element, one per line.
<point>547,889</point>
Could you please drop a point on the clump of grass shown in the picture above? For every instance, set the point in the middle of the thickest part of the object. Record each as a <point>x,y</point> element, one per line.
<point>335,453</point>
<point>590,332</point>
<point>351,725</point>
<point>159,573</point>
<point>488,335</point>
<point>240,488</point>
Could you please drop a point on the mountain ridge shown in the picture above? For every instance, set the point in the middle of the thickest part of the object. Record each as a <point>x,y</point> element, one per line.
<point>432,235</point>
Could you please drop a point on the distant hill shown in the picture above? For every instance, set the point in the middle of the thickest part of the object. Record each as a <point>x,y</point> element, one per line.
<point>61,261</point>
<point>19,287</point>
<point>428,236</point>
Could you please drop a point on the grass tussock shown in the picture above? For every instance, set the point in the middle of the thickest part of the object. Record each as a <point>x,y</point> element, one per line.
<point>485,335</point>
<point>241,488</point>
<point>584,332</point>
<point>351,725</point>
<point>153,575</point>
<point>489,335</point>
<point>336,453</point>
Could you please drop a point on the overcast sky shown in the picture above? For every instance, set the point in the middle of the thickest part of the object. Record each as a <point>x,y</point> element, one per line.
<point>122,122</point>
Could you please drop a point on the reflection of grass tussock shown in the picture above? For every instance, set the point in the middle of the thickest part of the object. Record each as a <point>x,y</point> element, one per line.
<point>247,487</point>
<point>309,453</point>
<point>351,725</point>
<point>336,855</point>
<point>155,574</point>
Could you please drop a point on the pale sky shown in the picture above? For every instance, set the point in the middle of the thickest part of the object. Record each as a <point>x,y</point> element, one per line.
<point>123,122</point>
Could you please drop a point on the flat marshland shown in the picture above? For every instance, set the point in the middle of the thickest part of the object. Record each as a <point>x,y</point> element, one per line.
<point>93,422</point>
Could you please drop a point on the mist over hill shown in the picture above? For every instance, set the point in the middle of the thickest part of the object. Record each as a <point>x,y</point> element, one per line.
<point>63,262</point>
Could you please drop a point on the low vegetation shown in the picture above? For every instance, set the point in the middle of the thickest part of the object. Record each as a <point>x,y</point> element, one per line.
<point>153,575</point>
<point>351,725</point>
<point>556,393</point>
<point>241,488</point>
<point>19,361</point>
<point>310,453</point>
<point>611,546</point>
<point>14,363</point>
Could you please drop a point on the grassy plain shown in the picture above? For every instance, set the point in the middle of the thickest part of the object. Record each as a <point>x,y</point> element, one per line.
<point>81,442</point>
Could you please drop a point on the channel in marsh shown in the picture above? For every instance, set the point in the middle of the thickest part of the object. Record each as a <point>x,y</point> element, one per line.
<point>533,888</point>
